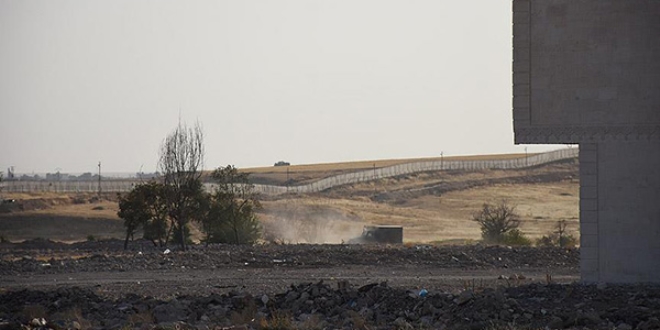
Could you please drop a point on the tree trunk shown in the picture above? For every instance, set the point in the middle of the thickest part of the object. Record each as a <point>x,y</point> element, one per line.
<point>128,235</point>
<point>182,236</point>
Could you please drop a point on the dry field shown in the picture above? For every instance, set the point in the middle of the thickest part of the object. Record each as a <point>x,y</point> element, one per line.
<point>432,207</point>
<point>302,174</point>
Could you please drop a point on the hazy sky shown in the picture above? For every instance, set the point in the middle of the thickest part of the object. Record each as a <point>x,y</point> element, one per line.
<point>304,81</point>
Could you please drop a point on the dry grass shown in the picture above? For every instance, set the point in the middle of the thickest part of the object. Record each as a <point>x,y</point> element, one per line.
<point>109,210</point>
<point>367,164</point>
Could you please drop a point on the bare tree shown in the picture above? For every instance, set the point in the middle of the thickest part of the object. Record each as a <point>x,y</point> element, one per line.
<point>181,162</point>
<point>496,221</point>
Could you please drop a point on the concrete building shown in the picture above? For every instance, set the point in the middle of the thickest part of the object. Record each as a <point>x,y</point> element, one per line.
<point>587,72</point>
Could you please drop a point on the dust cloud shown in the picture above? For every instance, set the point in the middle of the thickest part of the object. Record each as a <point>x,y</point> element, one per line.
<point>311,225</point>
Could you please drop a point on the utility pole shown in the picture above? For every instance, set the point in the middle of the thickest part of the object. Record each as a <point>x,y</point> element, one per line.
<point>442,160</point>
<point>99,181</point>
<point>375,179</point>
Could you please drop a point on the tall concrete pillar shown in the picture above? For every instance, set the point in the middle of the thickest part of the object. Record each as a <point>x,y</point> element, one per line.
<point>588,72</point>
<point>620,211</point>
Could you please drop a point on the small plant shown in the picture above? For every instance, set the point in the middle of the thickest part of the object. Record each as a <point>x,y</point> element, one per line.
<point>91,238</point>
<point>140,318</point>
<point>277,321</point>
<point>3,239</point>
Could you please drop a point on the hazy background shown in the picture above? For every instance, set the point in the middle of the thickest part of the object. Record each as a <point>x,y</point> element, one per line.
<point>305,81</point>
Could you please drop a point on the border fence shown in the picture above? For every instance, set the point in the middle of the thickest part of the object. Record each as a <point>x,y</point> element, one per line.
<point>317,186</point>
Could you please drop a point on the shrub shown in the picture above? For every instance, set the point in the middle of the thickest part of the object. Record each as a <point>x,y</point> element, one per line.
<point>91,238</point>
<point>231,216</point>
<point>516,237</point>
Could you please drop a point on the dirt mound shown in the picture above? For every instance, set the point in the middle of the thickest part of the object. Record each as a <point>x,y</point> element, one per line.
<point>40,244</point>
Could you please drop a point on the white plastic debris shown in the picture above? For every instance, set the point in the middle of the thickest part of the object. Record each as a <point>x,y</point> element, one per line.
<point>38,322</point>
<point>167,251</point>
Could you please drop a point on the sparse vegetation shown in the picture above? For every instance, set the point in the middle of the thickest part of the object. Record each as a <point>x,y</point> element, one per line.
<point>559,237</point>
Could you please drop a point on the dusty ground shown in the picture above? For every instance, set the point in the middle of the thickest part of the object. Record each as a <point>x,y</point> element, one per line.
<point>432,207</point>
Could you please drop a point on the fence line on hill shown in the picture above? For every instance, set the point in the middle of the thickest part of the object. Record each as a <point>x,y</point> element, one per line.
<point>317,186</point>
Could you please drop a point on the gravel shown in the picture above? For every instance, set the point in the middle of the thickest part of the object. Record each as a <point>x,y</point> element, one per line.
<point>44,257</point>
<point>98,285</point>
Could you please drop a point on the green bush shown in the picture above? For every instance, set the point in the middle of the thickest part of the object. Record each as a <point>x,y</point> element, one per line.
<point>516,237</point>
<point>91,238</point>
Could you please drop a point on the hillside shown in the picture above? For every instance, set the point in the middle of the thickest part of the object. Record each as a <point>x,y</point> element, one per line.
<point>432,206</point>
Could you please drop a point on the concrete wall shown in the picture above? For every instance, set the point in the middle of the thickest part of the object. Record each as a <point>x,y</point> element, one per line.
<point>586,71</point>
<point>620,211</point>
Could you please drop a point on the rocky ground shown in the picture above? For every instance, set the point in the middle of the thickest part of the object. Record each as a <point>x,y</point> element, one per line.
<point>99,285</point>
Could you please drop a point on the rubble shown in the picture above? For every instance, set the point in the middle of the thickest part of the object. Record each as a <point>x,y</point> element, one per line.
<point>376,306</point>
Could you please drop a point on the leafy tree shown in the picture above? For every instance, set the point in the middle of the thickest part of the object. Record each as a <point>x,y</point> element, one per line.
<point>496,221</point>
<point>231,212</point>
<point>181,162</point>
<point>144,207</point>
